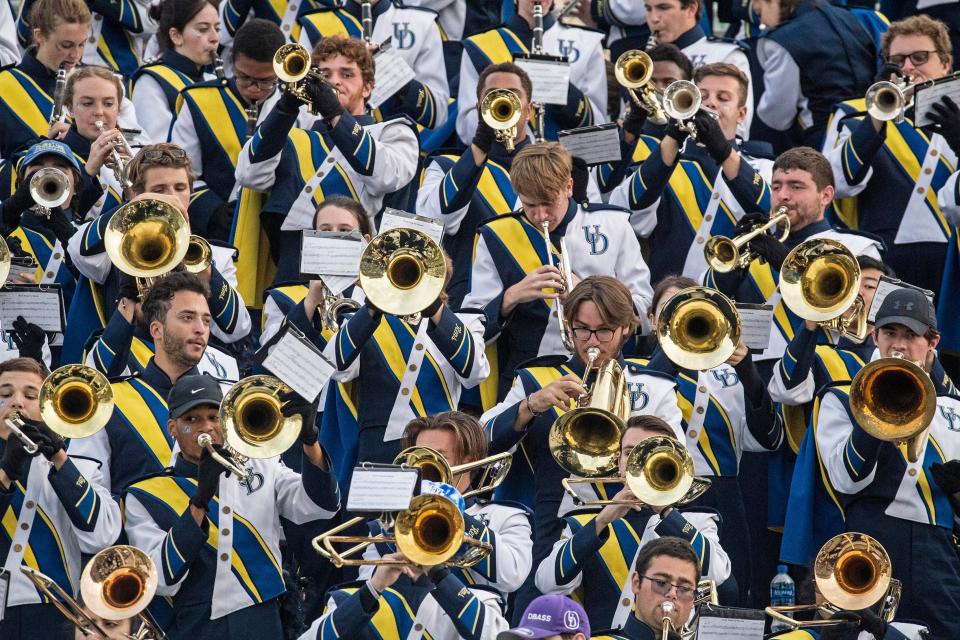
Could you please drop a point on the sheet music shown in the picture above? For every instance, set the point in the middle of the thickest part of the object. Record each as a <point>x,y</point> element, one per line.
<point>330,254</point>
<point>42,307</point>
<point>885,287</point>
<point>755,322</point>
<point>551,78</point>
<point>394,219</point>
<point>381,489</point>
<point>298,362</point>
<point>392,73</point>
<point>595,145</point>
<point>929,94</point>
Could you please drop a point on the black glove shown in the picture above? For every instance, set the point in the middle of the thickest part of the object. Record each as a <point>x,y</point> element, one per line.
<point>634,120</point>
<point>769,248</point>
<point>289,103</point>
<point>485,136</point>
<point>887,71</point>
<point>433,308</point>
<point>295,404</point>
<point>946,121</point>
<point>581,179</point>
<point>748,222</point>
<point>15,457</point>
<point>324,99</point>
<point>208,478</point>
<point>711,136</point>
<point>15,205</point>
<point>48,442</point>
<point>674,131</point>
<point>127,287</point>
<point>29,339</point>
<point>61,226</point>
<point>864,620</point>
<point>947,476</point>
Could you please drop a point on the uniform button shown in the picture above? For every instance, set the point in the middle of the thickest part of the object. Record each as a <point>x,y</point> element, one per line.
<point>413,367</point>
<point>226,509</point>
<point>404,392</point>
<point>933,152</point>
<point>715,195</point>
<point>625,602</point>
<point>24,526</point>
<point>286,27</point>
<point>320,173</point>
<point>912,472</point>
<point>700,240</point>
<point>418,347</point>
<point>30,504</point>
<point>225,531</point>
<point>702,389</point>
<point>699,409</point>
<point>308,189</point>
<point>928,171</point>
<point>56,256</point>
<point>920,189</point>
<point>692,433</point>
<point>224,557</point>
<point>708,217</point>
<point>418,627</point>
<point>50,274</point>
<point>331,159</point>
<point>18,548</point>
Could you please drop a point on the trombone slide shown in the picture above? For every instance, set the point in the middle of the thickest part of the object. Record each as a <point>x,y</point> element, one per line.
<point>205,441</point>
<point>14,423</point>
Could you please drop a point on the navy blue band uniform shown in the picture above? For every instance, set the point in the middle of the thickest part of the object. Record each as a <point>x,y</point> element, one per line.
<point>155,89</point>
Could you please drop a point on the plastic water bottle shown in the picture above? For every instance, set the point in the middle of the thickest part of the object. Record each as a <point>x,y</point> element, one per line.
<point>782,593</point>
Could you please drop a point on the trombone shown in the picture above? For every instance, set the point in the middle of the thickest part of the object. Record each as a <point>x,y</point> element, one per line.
<point>292,66</point>
<point>585,441</point>
<point>634,70</point>
<point>147,238</point>
<point>402,271</point>
<point>820,282</point>
<point>502,110</point>
<point>118,583</point>
<point>429,532</point>
<point>199,255</point>
<point>852,571</point>
<point>49,188</point>
<point>699,328</point>
<point>893,399</point>
<point>724,255</point>
<point>659,473</point>
<point>434,467</point>
<point>566,336</point>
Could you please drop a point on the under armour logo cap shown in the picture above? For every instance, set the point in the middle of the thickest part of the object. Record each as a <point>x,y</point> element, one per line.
<point>908,307</point>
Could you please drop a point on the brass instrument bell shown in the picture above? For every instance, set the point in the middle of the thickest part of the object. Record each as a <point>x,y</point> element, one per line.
<point>698,328</point>
<point>502,110</point>
<point>251,419</point>
<point>659,471</point>
<point>291,63</point>
<point>199,255</point>
<point>434,467</point>
<point>50,188</point>
<point>118,582</point>
<point>76,401</point>
<point>147,238</point>
<point>887,100</point>
<point>634,70</point>
<point>402,271</point>
<point>724,254</point>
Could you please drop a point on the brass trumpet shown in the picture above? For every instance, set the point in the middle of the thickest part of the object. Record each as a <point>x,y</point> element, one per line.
<point>434,467</point>
<point>698,328</point>
<point>502,110</point>
<point>724,255</point>
<point>199,255</point>
<point>76,401</point>
<point>893,399</point>
<point>585,441</point>
<point>429,532</point>
<point>147,238</point>
<point>633,70</point>
<point>292,66</point>
<point>566,335</point>
<point>852,572</point>
<point>49,188</point>
<point>402,271</point>
<point>659,473</point>
<point>820,282</point>
<point>119,166</point>
<point>887,100</point>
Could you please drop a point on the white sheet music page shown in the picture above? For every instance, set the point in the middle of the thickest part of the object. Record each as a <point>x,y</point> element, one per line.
<point>755,322</point>
<point>595,145</point>
<point>551,79</point>
<point>392,73</point>
<point>42,307</point>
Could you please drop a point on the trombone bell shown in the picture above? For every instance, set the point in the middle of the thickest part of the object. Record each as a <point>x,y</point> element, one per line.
<point>699,328</point>
<point>76,401</point>
<point>659,471</point>
<point>430,531</point>
<point>402,271</point>
<point>147,238</point>
<point>502,110</point>
<point>199,255</point>
<point>251,418</point>
<point>819,279</point>
<point>852,571</point>
<point>118,582</point>
<point>633,69</point>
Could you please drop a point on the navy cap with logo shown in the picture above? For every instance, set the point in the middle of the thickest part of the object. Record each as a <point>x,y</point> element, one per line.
<point>909,307</point>
<point>193,391</point>
<point>549,616</point>
<point>50,148</point>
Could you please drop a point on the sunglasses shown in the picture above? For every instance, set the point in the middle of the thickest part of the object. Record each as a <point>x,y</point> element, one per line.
<point>174,154</point>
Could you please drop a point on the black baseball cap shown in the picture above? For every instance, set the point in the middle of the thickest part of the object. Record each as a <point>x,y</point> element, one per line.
<point>193,391</point>
<point>909,307</point>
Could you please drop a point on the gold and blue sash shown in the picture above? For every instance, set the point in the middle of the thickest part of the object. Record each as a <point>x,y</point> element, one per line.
<point>325,23</point>
<point>524,244</point>
<point>394,339</point>
<point>311,150</point>
<point>617,552</point>
<point>135,400</point>
<point>391,622</point>
<point>30,104</point>
<point>497,45</point>
<point>223,114</point>
<point>255,267</point>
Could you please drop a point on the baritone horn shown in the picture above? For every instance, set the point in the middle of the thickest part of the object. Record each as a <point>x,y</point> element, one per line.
<point>147,238</point>
<point>402,271</point>
<point>724,254</point>
<point>429,532</point>
<point>502,110</point>
<point>49,188</point>
<point>633,70</point>
<point>893,399</point>
<point>659,473</point>
<point>853,572</point>
<point>585,441</point>
<point>76,401</point>
<point>435,468</point>
<point>698,328</point>
<point>820,282</point>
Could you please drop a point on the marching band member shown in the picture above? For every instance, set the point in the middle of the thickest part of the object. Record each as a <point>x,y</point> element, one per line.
<point>188,34</point>
<point>513,278</point>
<point>161,171</point>
<point>54,508</point>
<point>413,33</point>
<point>598,548</point>
<point>726,411</point>
<point>671,199</point>
<point>213,123</point>
<point>884,494</point>
<point>135,442</point>
<point>666,569</point>
<point>551,617</point>
<point>344,153</point>
<point>235,13</point>
<point>888,172</point>
<point>803,78</point>
<point>464,192</point>
<point>600,314</point>
<point>216,541</point>
<point>587,93</point>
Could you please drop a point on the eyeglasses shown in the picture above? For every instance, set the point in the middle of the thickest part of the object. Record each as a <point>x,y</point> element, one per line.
<point>168,154</point>
<point>245,82</point>
<point>661,587</point>
<point>917,58</point>
<point>583,334</point>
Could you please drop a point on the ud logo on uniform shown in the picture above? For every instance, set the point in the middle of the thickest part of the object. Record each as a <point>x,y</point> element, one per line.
<point>599,243</point>
<point>253,482</point>
<point>217,367</point>
<point>402,36</point>
<point>726,377</point>
<point>952,418</point>
<point>568,49</point>
<point>638,397</point>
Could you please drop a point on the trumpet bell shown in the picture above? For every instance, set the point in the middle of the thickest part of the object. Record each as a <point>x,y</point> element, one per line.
<point>402,271</point>
<point>681,100</point>
<point>723,254</point>
<point>633,69</point>
<point>146,238</point>
<point>699,328</point>
<point>885,101</point>
<point>430,531</point>
<point>76,401</point>
<point>50,187</point>
<point>251,418</point>
<point>118,582</point>
<point>852,571</point>
<point>501,109</point>
<point>199,255</point>
<point>820,279</point>
<point>291,63</point>
<point>893,399</point>
<point>659,471</point>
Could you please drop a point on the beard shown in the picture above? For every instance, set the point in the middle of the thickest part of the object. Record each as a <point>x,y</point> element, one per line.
<point>176,352</point>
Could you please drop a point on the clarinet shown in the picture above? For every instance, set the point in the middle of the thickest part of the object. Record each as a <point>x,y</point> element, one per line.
<point>218,68</point>
<point>366,20</point>
<point>536,48</point>
<point>652,41</point>
<point>253,113</point>
<point>57,114</point>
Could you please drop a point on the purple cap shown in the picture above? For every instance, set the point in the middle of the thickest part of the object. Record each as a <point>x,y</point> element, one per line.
<point>549,616</point>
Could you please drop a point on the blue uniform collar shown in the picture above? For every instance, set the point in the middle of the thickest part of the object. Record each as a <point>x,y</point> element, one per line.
<point>796,238</point>
<point>690,37</point>
<point>184,469</point>
<point>524,31</point>
<point>158,378</point>
<point>636,630</point>
<point>38,72</point>
<point>561,230</point>
<point>182,64</point>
